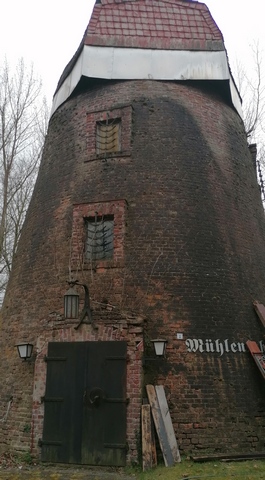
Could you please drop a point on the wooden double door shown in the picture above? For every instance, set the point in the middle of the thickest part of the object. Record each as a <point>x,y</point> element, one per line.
<point>85,403</point>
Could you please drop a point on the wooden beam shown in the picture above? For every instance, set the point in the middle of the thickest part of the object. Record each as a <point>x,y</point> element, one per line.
<point>228,457</point>
<point>162,401</point>
<point>147,453</point>
<point>160,426</point>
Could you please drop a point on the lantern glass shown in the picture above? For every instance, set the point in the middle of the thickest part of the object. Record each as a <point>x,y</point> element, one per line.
<point>25,350</point>
<point>71,304</point>
<point>160,346</point>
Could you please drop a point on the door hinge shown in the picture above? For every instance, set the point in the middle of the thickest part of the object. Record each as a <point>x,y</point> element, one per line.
<point>125,357</point>
<point>54,359</point>
<point>51,399</point>
<point>122,446</point>
<point>117,400</point>
<point>48,442</point>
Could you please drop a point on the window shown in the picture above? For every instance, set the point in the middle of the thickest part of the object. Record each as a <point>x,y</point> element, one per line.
<point>109,133</point>
<point>99,237</point>
<point>108,136</point>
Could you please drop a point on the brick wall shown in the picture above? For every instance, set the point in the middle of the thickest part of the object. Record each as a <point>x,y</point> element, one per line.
<point>193,249</point>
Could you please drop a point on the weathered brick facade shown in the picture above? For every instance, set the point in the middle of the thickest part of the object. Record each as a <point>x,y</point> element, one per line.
<point>193,258</point>
<point>189,259</point>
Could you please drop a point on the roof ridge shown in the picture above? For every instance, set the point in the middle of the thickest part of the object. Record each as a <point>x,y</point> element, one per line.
<point>183,3</point>
<point>192,3</point>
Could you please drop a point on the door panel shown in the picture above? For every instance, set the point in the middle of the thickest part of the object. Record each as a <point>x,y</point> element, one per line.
<point>105,418</point>
<point>85,404</point>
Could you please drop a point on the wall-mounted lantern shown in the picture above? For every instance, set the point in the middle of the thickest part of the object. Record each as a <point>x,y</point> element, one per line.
<point>159,346</point>
<point>71,304</point>
<point>160,349</point>
<point>25,350</point>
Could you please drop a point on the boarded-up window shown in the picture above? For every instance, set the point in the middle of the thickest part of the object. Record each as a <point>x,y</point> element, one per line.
<point>108,136</point>
<point>99,237</point>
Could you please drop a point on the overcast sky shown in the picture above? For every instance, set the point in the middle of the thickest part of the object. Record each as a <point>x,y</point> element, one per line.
<point>48,33</point>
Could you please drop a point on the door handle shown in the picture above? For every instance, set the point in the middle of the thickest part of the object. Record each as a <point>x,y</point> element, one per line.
<point>95,397</point>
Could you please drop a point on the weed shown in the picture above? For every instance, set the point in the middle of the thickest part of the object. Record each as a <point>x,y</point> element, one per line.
<point>26,457</point>
<point>26,428</point>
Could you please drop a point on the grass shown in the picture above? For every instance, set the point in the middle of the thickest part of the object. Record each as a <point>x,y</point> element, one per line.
<point>188,470</point>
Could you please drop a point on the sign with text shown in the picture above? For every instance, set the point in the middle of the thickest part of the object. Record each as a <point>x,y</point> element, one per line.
<point>218,346</point>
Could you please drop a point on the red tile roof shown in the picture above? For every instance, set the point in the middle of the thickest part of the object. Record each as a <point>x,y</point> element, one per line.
<point>156,24</point>
<point>153,24</point>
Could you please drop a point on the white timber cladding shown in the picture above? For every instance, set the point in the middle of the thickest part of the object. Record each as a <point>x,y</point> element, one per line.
<point>114,63</point>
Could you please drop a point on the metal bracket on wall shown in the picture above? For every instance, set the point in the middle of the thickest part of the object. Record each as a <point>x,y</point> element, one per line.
<point>257,355</point>
<point>260,311</point>
<point>86,312</point>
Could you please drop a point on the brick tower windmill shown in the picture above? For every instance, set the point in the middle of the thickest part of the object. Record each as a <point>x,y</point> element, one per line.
<point>147,204</point>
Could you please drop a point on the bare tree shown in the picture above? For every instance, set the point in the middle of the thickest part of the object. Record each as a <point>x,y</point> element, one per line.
<point>251,84</point>
<point>23,124</point>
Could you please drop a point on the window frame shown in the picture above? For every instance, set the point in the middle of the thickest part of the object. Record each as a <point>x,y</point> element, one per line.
<point>117,209</point>
<point>124,116</point>
<point>95,243</point>
<point>113,139</point>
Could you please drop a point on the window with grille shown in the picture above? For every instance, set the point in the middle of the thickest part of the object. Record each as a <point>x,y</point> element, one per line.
<point>99,237</point>
<point>108,136</point>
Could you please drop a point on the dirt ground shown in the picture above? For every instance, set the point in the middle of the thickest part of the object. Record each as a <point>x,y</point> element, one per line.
<point>61,473</point>
<point>15,468</point>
